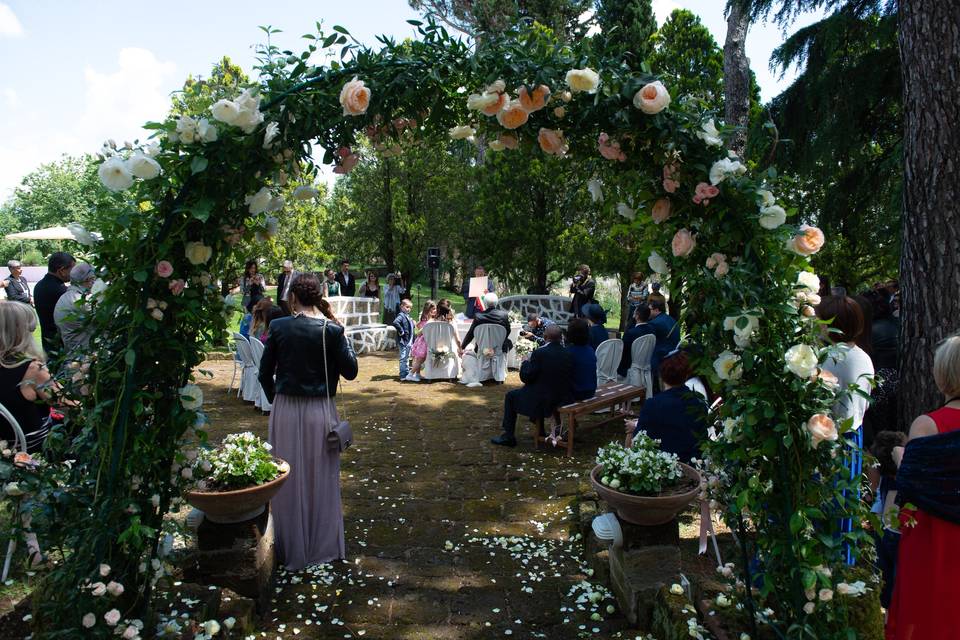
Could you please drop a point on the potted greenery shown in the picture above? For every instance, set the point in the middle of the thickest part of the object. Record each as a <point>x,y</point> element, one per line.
<point>643,484</point>
<point>236,480</point>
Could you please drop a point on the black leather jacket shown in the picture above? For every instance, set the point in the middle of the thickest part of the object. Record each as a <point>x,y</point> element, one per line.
<point>294,352</point>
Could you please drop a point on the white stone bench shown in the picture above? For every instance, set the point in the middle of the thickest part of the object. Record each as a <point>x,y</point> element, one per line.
<point>556,308</point>
<point>367,338</point>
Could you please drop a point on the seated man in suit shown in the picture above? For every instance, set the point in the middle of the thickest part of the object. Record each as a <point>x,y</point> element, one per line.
<point>667,332</point>
<point>492,314</point>
<point>547,380</point>
<point>641,318</point>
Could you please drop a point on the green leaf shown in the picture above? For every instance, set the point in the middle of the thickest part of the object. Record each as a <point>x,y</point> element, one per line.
<point>415,23</point>
<point>202,209</point>
<point>130,357</point>
<point>140,276</point>
<point>329,40</point>
<point>340,29</point>
<point>198,164</point>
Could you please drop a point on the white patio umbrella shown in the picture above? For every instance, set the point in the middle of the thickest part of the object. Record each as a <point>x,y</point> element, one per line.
<point>50,233</point>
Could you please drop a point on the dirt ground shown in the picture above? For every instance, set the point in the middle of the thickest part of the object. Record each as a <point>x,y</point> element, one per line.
<point>448,536</point>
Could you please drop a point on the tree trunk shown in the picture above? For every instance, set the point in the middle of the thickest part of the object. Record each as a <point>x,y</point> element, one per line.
<point>389,251</point>
<point>736,75</point>
<point>930,258</point>
<point>625,278</point>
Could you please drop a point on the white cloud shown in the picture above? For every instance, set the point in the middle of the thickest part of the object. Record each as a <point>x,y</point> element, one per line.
<point>11,98</point>
<point>10,26</point>
<point>663,8</point>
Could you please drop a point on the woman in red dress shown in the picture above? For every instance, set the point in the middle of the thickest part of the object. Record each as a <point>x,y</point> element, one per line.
<point>928,567</point>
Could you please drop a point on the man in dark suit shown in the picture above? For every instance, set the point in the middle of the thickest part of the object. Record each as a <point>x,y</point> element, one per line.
<point>47,292</point>
<point>641,317</point>
<point>16,287</point>
<point>547,380</point>
<point>348,284</point>
<point>667,332</point>
<point>583,289</point>
<point>287,276</point>
<point>493,315</point>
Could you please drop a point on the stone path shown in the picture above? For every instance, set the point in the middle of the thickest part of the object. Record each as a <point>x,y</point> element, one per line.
<point>447,535</point>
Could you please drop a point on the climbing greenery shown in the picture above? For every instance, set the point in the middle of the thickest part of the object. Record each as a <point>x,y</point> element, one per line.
<point>697,214</point>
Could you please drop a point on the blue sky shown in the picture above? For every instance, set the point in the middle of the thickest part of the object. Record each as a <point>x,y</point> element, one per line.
<point>78,72</point>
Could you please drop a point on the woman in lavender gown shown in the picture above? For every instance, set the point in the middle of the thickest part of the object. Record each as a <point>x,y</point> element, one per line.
<point>305,356</point>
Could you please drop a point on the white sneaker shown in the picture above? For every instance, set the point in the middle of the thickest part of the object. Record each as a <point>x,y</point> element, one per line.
<point>412,377</point>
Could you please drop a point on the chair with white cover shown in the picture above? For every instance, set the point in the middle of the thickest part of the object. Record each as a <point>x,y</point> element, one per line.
<point>639,374</point>
<point>440,336</point>
<point>21,445</point>
<point>608,359</point>
<point>237,360</point>
<point>249,385</point>
<point>256,353</point>
<point>489,340</point>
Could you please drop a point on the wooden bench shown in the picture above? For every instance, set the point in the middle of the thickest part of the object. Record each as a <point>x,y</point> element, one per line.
<point>609,396</point>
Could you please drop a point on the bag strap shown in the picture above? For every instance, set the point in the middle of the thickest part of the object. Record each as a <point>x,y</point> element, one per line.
<point>326,374</point>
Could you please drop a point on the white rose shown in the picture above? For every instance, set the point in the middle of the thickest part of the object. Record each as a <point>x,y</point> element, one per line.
<point>305,192</point>
<point>276,203</point>
<point>741,329</point>
<point>229,622</point>
<point>13,489</point>
<point>624,210</point>
<point>115,174</point>
<point>155,500</point>
<point>191,397</point>
<point>211,627</point>
<point>809,607</point>
<point>808,281</point>
<point>727,366</point>
<point>657,263</point>
<point>186,473</point>
<point>583,80</point>
<point>259,201</point>
<point>496,145</point>
<point>197,252</point>
<point>269,134</point>
<point>131,633</point>
<point>115,588</point>
<point>481,101</point>
<point>248,121</point>
<point>98,589</point>
<point>461,132</point>
<point>104,570</point>
<point>81,235</point>
<point>652,98</point>
<point>595,189</point>
<point>725,168</point>
<point>826,595</point>
<point>89,620</point>
<point>143,166</point>
<point>152,150</point>
<point>802,360</point>
<point>772,217</point>
<point>206,130</point>
<point>225,111</point>
<point>765,198</point>
<point>709,134</point>
<point>112,617</point>
<point>272,225</point>
<point>187,129</point>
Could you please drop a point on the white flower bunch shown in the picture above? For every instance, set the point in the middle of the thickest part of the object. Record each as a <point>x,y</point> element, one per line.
<point>116,173</point>
<point>641,469</point>
<point>242,460</point>
<point>243,112</point>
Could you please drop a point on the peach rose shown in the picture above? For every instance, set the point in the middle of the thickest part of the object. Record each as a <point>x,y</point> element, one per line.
<point>164,269</point>
<point>508,141</point>
<point>704,192</point>
<point>177,286</point>
<point>513,115</point>
<point>683,243</point>
<point>821,427</point>
<point>552,142</point>
<point>559,112</point>
<point>536,101</point>
<point>610,149</point>
<point>722,269</point>
<point>496,106</point>
<point>828,379</point>
<point>354,98</point>
<point>346,160</point>
<point>652,98</point>
<point>669,184</point>
<point>808,242</point>
<point>661,210</point>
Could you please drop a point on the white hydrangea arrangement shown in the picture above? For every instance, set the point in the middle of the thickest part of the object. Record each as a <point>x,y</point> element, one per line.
<point>242,460</point>
<point>641,469</point>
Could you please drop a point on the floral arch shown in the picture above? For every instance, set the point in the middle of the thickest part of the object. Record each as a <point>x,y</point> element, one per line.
<point>710,224</point>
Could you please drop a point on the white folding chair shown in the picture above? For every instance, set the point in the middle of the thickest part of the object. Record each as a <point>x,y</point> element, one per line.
<point>608,359</point>
<point>256,353</point>
<point>440,335</point>
<point>490,337</point>
<point>639,374</point>
<point>20,444</point>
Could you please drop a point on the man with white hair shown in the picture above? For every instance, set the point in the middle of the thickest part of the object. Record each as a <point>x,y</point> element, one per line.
<point>70,317</point>
<point>283,285</point>
<point>492,314</point>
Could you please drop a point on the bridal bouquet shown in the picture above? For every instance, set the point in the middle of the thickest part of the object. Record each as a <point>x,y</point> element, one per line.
<point>440,355</point>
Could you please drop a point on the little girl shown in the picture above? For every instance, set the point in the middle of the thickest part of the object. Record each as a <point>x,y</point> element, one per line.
<point>419,349</point>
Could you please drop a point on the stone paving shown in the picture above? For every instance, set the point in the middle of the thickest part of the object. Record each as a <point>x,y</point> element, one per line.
<point>447,535</point>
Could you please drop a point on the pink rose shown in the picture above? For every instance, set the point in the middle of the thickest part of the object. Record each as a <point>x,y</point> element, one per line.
<point>164,269</point>
<point>346,160</point>
<point>669,184</point>
<point>552,142</point>
<point>177,286</point>
<point>610,149</point>
<point>715,259</point>
<point>722,269</point>
<point>661,210</point>
<point>536,101</point>
<point>354,98</point>
<point>821,427</point>
<point>808,242</point>
<point>683,243</point>
<point>704,192</point>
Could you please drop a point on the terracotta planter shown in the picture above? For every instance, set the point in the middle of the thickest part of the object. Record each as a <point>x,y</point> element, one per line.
<point>647,510</point>
<point>240,505</point>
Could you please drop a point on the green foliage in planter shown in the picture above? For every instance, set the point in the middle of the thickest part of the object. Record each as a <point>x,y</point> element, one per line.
<point>242,460</point>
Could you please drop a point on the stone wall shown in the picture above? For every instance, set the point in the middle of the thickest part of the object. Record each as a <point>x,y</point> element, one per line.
<point>362,324</point>
<point>556,308</point>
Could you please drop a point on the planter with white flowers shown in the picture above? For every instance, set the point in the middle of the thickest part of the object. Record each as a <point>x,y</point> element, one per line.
<point>236,480</point>
<point>643,484</point>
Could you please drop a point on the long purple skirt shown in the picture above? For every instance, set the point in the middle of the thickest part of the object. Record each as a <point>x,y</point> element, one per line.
<point>307,516</point>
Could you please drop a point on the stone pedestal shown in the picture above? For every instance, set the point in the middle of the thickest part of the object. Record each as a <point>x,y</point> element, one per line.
<point>239,557</point>
<point>637,575</point>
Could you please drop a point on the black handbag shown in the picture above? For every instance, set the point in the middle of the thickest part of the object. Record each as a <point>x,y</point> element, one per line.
<point>340,436</point>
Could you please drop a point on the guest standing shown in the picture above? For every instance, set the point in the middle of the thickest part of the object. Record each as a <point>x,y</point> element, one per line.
<point>331,287</point>
<point>252,285</point>
<point>636,294</point>
<point>667,332</point>
<point>404,326</point>
<point>17,288</point>
<point>391,298</point>
<point>70,317</point>
<point>307,353</point>
<point>348,284</point>
<point>583,288</point>
<point>371,288</point>
<point>929,478</point>
<point>47,292</point>
<point>284,282</point>
<point>471,309</point>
